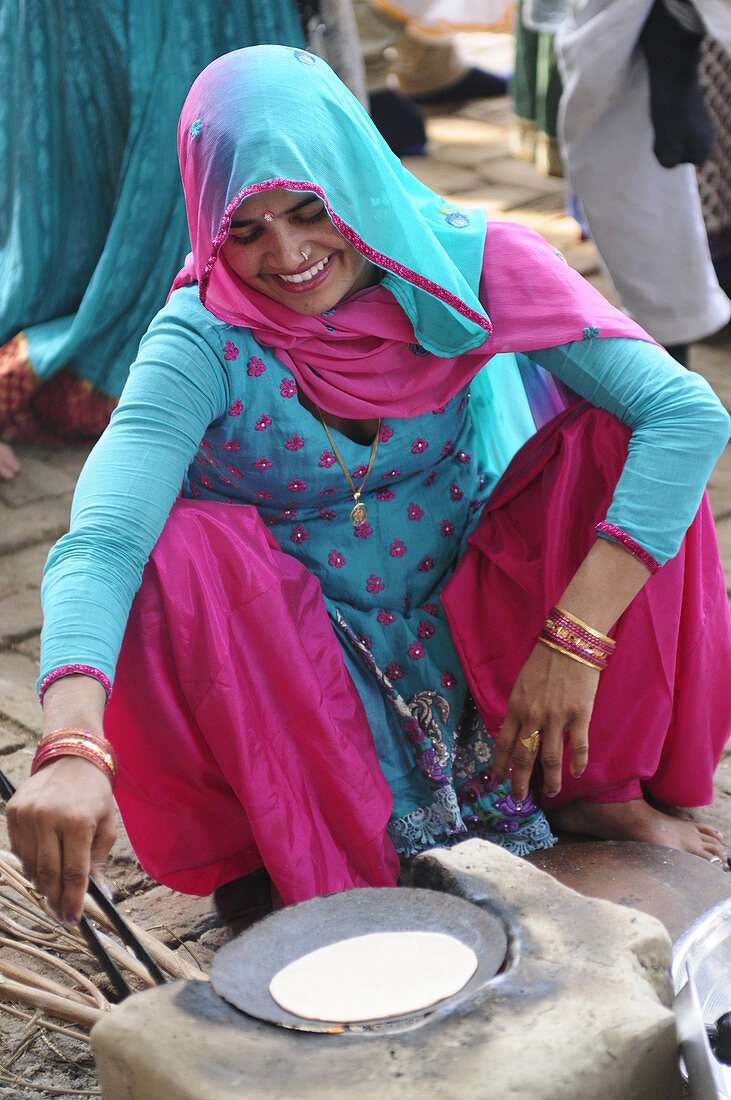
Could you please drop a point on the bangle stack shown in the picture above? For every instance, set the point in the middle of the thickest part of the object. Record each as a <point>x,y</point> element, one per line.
<point>77,742</point>
<point>579,641</point>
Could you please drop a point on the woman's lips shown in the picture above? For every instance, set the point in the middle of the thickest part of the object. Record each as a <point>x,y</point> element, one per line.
<point>296,284</point>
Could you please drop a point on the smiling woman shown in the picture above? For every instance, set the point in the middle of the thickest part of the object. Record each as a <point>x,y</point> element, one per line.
<point>334,644</point>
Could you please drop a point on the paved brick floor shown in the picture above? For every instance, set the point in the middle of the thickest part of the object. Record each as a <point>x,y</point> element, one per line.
<point>469,162</point>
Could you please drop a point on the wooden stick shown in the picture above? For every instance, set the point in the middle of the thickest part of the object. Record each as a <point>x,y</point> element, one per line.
<point>17,993</point>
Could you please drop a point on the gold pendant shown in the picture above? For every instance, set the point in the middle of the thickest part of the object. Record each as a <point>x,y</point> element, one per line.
<point>358,514</point>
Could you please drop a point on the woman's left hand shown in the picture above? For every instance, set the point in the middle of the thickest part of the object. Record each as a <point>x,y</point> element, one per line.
<point>552,694</point>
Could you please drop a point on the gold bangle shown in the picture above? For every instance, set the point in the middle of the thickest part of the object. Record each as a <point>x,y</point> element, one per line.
<point>568,653</point>
<point>591,629</point>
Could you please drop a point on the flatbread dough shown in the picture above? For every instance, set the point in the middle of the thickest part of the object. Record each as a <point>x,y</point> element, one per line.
<point>374,977</point>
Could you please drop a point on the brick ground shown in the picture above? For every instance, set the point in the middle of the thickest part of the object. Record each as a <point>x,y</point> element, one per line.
<point>469,162</point>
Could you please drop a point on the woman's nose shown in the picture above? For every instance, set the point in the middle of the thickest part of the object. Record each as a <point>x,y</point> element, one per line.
<point>290,249</point>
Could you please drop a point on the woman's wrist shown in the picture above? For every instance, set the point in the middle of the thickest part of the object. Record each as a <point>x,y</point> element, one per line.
<point>74,702</point>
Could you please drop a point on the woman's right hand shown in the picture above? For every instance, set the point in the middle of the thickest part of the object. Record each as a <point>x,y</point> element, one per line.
<point>61,825</point>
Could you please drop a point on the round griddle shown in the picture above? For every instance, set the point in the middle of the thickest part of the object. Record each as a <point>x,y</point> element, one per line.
<point>242,969</point>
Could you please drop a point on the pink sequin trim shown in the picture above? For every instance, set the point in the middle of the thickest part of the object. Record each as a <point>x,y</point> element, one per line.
<point>629,543</point>
<point>72,670</point>
<point>351,236</point>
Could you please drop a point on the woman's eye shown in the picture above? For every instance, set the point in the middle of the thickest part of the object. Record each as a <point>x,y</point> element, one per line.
<point>245,240</point>
<point>321,213</point>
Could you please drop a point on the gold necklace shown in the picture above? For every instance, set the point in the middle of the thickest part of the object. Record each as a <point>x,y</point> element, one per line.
<point>359,510</point>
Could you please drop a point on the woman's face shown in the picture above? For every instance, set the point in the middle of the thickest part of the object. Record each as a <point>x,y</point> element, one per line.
<point>268,254</point>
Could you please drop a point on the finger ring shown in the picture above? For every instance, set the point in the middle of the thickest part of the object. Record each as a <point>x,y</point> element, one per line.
<point>715,859</point>
<point>533,742</point>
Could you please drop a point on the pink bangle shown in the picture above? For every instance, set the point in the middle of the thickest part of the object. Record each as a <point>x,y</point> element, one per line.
<point>74,670</point>
<point>573,652</point>
<point>637,551</point>
<point>80,743</point>
<point>580,630</point>
<point>574,648</point>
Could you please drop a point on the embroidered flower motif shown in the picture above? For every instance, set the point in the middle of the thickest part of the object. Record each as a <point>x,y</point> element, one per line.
<point>405,602</point>
<point>230,351</point>
<point>263,464</point>
<point>464,456</point>
<point>236,407</point>
<point>590,332</point>
<point>303,57</point>
<point>428,480</point>
<point>447,680</point>
<point>255,367</point>
<point>431,609</point>
<point>288,513</point>
<point>385,433</point>
<point>288,387</point>
<point>425,629</point>
<point>327,458</point>
<point>359,471</point>
<point>325,513</point>
<point>226,481</point>
<point>206,481</point>
<point>446,528</point>
<point>448,447</point>
<point>363,530</point>
<point>262,423</point>
<point>271,521</point>
<point>296,485</point>
<point>416,651</point>
<point>231,445</point>
<point>299,534</point>
<point>262,494</point>
<point>426,564</point>
<point>205,445</point>
<point>455,491</point>
<point>417,349</point>
<point>234,470</point>
<point>295,443</point>
<point>391,473</point>
<point>394,671</point>
<point>419,446</point>
<point>336,559</point>
<point>364,640</point>
<point>397,549</point>
<point>507,806</point>
<point>415,512</point>
<point>384,495</point>
<point>195,128</point>
<point>374,584</point>
<point>385,617</point>
<point>327,492</point>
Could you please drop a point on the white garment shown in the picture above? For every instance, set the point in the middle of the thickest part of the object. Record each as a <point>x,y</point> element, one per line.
<point>646,220</point>
<point>451,15</point>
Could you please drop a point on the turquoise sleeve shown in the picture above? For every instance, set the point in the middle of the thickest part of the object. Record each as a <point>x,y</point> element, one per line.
<point>176,388</point>
<point>679,428</point>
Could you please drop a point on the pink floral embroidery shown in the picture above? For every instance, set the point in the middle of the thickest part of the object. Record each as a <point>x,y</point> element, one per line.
<point>230,351</point>
<point>430,479</point>
<point>231,445</point>
<point>262,423</point>
<point>431,609</point>
<point>391,473</point>
<point>327,458</point>
<point>336,558</point>
<point>205,445</point>
<point>299,534</point>
<point>195,490</point>
<point>364,640</point>
<point>206,481</point>
<point>234,470</point>
<point>416,651</point>
<point>287,387</point>
<point>227,481</point>
<point>295,443</point>
<point>325,513</point>
<point>447,680</point>
<point>288,513</point>
<point>415,512</point>
<point>447,448</point>
<point>464,456</point>
<point>405,602</point>
<point>262,494</point>
<point>263,464</point>
<point>385,433</point>
<point>327,492</point>
<point>271,521</point>
<point>385,494</point>
<point>363,530</point>
<point>296,485</point>
<point>385,617</point>
<point>394,671</point>
<point>455,492</point>
<point>236,407</point>
<point>419,446</point>
<point>425,629</point>
<point>374,584</point>
<point>359,471</point>
<point>426,564</point>
<point>397,549</point>
<point>447,528</point>
<point>255,367</point>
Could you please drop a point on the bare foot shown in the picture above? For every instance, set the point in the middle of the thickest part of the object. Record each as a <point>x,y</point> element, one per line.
<point>9,464</point>
<point>637,820</point>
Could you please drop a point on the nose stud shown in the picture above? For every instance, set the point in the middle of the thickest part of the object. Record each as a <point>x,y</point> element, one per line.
<point>304,254</point>
<point>268,216</point>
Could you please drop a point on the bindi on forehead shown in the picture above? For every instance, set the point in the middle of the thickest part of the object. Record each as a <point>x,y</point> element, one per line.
<point>269,215</point>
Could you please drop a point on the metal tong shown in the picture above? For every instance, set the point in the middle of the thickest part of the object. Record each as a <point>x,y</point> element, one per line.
<point>125,933</point>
